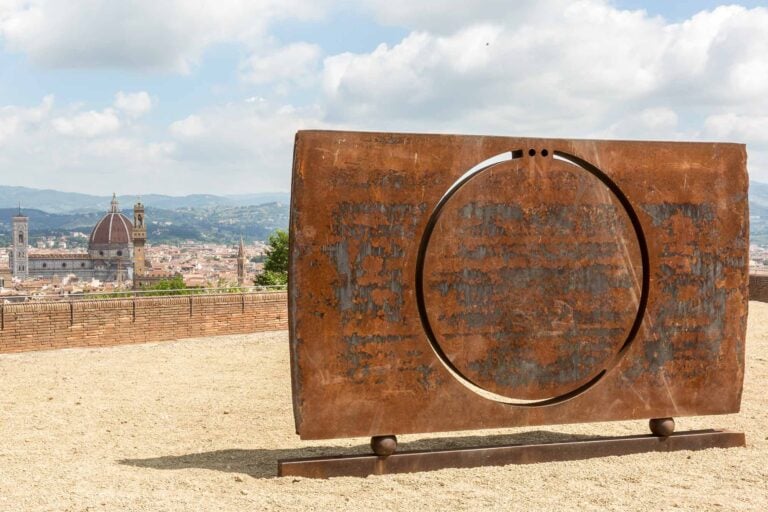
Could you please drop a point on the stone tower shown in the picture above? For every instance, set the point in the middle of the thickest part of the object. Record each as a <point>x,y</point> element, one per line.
<point>19,260</point>
<point>241,263</point>
<point>139,237</point>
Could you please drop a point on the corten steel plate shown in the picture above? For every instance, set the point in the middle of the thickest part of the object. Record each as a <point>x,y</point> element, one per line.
<point>442,282</point>
<point>415,461</point>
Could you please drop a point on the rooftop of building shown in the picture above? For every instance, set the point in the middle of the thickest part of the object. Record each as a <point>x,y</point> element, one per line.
<point>113,228</point>
<point>57,255</point>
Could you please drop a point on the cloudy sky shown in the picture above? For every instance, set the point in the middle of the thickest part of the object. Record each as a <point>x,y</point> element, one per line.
<point>189,96</point>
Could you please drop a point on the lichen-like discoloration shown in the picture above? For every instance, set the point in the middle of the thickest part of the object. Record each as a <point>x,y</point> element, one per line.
<point>701,214</point>
<point>380,357</point>
<point>514,363</point>
<point>368,279</point>
<point>693,278</point>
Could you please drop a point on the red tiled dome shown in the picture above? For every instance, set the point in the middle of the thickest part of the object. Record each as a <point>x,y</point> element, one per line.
<point>113,229</point>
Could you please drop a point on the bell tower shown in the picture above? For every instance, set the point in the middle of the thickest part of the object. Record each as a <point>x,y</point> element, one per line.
<point>139,236</point>
<point>19,261</point>
<point>241,263</point>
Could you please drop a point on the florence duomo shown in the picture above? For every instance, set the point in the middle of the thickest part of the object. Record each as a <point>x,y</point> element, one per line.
<point>115,250</point>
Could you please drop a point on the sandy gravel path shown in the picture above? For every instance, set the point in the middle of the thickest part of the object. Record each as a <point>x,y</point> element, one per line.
<point>199,425</point>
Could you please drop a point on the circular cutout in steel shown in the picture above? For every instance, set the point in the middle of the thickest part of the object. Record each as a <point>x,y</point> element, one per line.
<point>531,279</point>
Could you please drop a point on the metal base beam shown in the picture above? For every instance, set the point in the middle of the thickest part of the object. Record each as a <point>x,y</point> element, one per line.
<point>430,460</point>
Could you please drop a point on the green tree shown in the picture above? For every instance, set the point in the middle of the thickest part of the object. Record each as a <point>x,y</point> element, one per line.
<point>172,286</point>
<point>175,283</point>
<point>275,261</point>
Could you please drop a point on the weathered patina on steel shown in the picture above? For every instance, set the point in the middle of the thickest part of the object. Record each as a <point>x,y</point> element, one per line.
<point>442,282</point>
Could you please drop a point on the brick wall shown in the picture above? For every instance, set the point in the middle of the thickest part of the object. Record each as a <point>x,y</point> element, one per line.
<point>44,326</point>
<point>29,326</point>
<point>758,287</point>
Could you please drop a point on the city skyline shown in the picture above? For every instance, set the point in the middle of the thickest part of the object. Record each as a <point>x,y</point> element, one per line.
<point>118,252</point>
<point>98,97</point>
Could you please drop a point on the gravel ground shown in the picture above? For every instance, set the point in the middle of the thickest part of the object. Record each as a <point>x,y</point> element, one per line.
<point>199,425</point>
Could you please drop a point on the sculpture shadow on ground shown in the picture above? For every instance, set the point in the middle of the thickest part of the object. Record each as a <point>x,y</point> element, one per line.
<point>262,462</point>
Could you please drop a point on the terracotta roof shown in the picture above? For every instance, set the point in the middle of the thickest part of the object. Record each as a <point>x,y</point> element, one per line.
<point>57,256</point>
<point>113,228</point>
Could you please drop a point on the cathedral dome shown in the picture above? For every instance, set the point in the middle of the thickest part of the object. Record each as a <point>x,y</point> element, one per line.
<point>112,231</point>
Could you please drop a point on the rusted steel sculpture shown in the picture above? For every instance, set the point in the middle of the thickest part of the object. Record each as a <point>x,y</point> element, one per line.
<point>442,282</point>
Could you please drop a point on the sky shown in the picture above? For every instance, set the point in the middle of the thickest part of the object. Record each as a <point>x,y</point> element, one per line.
<point>186,96</point>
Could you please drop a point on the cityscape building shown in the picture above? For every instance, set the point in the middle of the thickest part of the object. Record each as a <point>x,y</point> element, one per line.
<point>241,263</point>
<point>18,258</point>
<point>110,254</point>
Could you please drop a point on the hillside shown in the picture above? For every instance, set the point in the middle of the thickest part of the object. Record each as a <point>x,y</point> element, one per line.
<point>205,217</point>
<point>758,213</point>
<point>217,224</point>
<point>54,201</point>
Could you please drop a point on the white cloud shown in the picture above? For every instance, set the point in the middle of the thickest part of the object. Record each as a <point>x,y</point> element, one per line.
<point>296,63</point>
<point>87,124</point>
<point>189,127</point>
<point>130,149</point>
<point>14,119</point>
<point>535,75</point>
<point>143,34</point>
<point>134,104</point>
<point>751,128</point>
<point>446,16</point>
<point>655,123</point>
<point>731,126</point>
<point>541,68</point>
<point>557,68</point>
<point>230,148</point>
<point>249,144</point>
<point>68,148</point>
<point>573,69</point>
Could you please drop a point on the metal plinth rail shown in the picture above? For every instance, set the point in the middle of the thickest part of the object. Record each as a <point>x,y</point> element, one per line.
<point>431,460</point>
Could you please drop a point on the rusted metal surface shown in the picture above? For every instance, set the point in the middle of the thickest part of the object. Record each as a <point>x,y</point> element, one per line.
<point>459,282</point>
<point>415,461</point>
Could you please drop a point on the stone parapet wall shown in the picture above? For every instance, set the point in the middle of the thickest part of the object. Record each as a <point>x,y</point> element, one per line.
<point>758,287</point>
<point>42,326</point>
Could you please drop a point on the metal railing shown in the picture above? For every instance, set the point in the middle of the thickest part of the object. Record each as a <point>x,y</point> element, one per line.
<point>128,294</point>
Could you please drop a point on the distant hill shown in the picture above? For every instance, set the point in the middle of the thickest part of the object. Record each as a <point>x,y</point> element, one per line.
<point>207,218</point>
<point>758,213</point>
<point>215,224</point>
<point>758,198</point>
<point>54,201</point>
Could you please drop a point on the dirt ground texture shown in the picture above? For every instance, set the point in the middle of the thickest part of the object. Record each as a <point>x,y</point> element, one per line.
<point>199,425</point>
